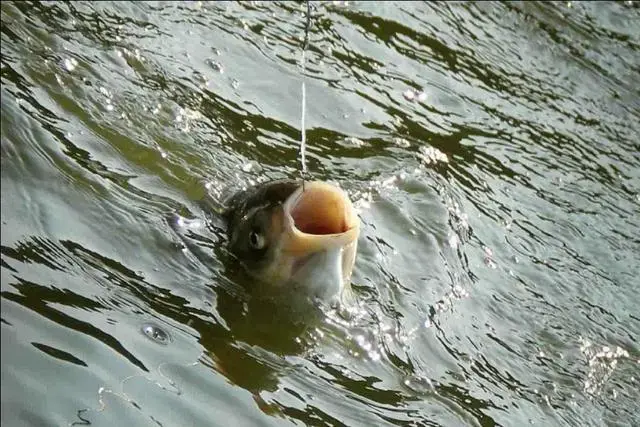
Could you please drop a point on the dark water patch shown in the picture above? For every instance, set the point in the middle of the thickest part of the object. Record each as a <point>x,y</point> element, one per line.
<point>59,354</point>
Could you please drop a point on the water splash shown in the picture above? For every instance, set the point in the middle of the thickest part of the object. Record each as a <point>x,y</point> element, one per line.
<point>431,155</point>
<point>602,363</point>
<point>414,96</point>
<point>185,117</point>
<point>70,64</point>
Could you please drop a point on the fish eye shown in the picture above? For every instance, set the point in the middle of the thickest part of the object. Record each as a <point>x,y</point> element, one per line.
<point>257,240</point>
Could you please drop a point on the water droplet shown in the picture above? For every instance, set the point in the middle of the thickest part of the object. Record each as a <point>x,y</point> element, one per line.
<point>454,240</point>
<point>353,142</point>
<point>401,142</point>
<point>430,155</point>
<point>215,65</point>
<point>409,94</point>
<point>70,64</point>
<point>251,167</point>
<point>156,333</point>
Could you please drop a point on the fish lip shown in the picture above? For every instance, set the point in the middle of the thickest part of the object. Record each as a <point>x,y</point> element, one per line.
<point>319,216</point>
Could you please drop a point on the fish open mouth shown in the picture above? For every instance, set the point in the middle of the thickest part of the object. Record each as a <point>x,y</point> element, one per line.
<point>319,217</point>
<point>321,210</point>
<point>319,239</point>
<point>321,230</point>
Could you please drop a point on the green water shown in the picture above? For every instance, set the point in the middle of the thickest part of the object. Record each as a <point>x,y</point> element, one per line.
<point>492,150</point>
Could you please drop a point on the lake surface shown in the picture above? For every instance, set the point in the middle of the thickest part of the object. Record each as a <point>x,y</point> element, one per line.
<point>492,151</point>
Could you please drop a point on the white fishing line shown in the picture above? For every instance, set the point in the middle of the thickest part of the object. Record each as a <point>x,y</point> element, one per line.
<point>124,396</point>
<point>303,131</point>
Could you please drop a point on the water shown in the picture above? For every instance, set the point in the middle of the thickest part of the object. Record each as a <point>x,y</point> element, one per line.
<point>491,149</point>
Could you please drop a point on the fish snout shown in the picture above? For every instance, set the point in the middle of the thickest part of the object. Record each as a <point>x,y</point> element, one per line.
<point>322,229</point>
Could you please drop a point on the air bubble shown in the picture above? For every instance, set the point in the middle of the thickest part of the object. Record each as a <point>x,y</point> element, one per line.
<point>215,65</point>
<point>156,333</point>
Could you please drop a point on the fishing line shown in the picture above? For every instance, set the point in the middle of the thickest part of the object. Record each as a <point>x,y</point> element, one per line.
<point>124,396</point>
<point>303,133</point>
<point>303,172</point>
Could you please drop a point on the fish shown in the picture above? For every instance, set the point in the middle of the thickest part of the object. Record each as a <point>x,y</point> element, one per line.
<point>295,236</point>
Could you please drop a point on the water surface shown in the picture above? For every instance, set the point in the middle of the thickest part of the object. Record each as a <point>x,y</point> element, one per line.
<point>492,150</point>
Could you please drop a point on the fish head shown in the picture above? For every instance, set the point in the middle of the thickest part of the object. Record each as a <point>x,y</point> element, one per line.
<point>295,237</point>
